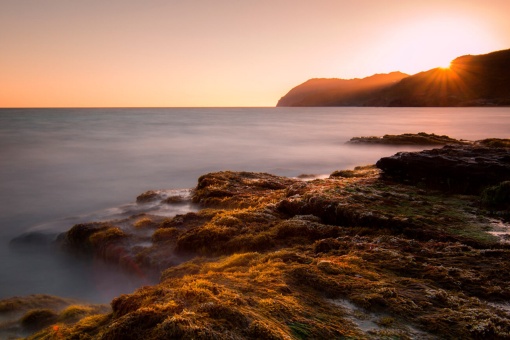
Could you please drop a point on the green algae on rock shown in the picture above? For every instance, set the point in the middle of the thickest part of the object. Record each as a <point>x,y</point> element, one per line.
<point>497,196</point>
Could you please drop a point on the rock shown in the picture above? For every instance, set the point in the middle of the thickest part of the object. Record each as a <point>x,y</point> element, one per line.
<point>460,169</point>
<point>88,236</point>
<point>420,138</point>
<point>175,199</point>
<point>35,238</point>
<point>237,189</point>
<point>149,196</point>
<point>23,315</point>
<point>495,142</point>
<point>265,255</point>
<point>345,174</point>
<point>497,196</point>
<point>38,318</point>
<point>179,196</point>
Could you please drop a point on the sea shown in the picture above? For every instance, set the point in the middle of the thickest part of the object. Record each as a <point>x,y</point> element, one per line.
<point>59,167</point>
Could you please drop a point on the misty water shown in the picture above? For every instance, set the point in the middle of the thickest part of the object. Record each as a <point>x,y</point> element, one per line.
<point>62,166</point>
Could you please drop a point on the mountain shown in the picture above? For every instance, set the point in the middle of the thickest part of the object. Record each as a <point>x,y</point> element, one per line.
<point>481,80</point>
<point>338,92</point>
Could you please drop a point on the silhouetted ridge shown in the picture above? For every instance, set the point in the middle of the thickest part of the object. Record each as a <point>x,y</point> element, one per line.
<point>480,80</point>
<point>337,92</point>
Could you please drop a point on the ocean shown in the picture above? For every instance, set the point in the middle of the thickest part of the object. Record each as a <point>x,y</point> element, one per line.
<point>62,166</point>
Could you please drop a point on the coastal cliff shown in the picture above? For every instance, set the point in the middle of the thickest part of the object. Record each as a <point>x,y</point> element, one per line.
<point>338,92</point>
<point>471,80</point>
<point>371,253</point>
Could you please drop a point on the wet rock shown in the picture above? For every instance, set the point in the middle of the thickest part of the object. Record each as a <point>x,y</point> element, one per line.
<point>337,212</point>
<point>38,318</point>
<point>497,196</point>
<point>31,239</point>
<point>270,257</point>
<point>296,189</point>
<point>178,196</point>
<point>149,196</point>
<point>176,199</point>
<point>421,138</point>
<point>344,174</point>
<point>21,316</point>
<point>495,142</point>
<point>190,219</point>
<point>460,169</point>
<point>237,189</point>
<point>87,236</point>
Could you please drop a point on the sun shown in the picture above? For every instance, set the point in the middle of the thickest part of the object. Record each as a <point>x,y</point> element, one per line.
<point>445,66</point>
<point>422,44</point>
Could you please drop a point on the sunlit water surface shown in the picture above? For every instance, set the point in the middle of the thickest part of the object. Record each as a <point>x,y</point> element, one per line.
<point>62,166</point>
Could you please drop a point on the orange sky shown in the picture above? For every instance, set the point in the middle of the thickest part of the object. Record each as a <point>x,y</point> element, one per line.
<point>61,53</point>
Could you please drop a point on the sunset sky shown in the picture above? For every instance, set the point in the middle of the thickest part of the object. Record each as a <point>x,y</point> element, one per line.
<point>170,53</point>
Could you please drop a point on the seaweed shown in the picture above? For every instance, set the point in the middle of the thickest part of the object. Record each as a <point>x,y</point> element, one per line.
<point>351,256</point>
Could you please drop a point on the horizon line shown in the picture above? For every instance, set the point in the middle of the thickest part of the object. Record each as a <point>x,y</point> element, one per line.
<point>130,107</point>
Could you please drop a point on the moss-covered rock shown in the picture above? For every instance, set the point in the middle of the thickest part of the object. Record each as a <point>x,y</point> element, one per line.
<point>22,316</point>
<point>495,142</point>
<point>497,196</point>
<point>356,255</point>
<point>38,318</point>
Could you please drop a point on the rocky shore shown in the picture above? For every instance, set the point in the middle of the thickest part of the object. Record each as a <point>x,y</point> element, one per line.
<point>414,247</point>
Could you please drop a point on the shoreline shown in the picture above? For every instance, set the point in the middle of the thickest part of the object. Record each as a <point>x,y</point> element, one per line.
<point>264,255</point>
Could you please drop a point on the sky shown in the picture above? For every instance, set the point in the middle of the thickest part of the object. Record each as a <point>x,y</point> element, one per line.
<point>216,53</point>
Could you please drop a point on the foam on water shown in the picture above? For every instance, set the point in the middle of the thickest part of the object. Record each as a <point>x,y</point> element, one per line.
<point>156,207</point>
<point>89,279</point>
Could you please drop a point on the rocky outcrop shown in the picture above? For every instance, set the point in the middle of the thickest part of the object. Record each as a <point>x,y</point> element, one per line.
<point>420,138</point>
<point>268,257</point>
<point>461,169</point>
<point>21,316</point>
<point>237,189</point>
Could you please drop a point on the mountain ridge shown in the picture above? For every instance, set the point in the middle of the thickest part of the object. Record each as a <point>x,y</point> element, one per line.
<point>471,80</point>
<point>334,91</point>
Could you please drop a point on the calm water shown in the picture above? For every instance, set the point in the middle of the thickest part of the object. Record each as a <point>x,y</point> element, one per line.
<point>56,164</point>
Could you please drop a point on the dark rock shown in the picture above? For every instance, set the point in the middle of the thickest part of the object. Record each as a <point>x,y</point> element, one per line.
<point>460,169</point>
<point>495,142</point>
<point>38,318</point>
<point>298,188</point>
<point>176,199</point>
<point>88,236</point>
<point>149,196</point>
<point>162,196</point>
<point>420,138</point>
<point>497,196</point>
<point>31,239</point>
